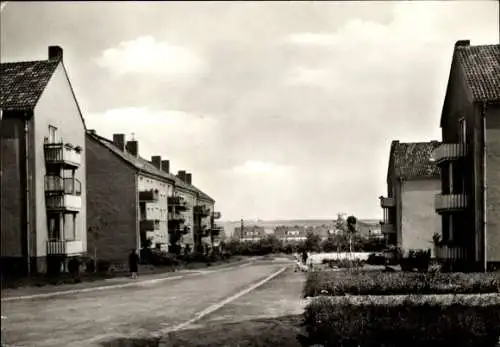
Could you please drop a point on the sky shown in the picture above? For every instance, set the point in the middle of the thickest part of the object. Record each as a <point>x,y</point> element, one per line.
<point>281,110</point>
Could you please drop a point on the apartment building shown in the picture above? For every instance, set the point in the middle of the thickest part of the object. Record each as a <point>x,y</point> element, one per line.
<point>290,235</point>
<point>250,233</point>
<point>43,167</point>
<point>468,202</point>
<point>413,181</point>
<point>369,228</point>
<point>133,201</point>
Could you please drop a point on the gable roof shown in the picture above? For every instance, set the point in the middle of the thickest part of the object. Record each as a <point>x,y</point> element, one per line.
<point>480,66</point>
<point>22,83</point>
<point>412,160</point>
<point>143,165</point>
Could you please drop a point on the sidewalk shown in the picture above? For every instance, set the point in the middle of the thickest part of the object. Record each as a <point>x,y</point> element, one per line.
<point>116,282</point>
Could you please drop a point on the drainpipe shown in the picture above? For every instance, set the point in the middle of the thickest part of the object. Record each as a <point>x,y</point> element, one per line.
<point>28,192</point>
<point>485,241</point>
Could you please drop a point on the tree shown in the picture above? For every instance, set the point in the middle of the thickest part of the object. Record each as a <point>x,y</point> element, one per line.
<point>175,236</point>
<point>312,243</point>
<point>330,244</point>
<point>351,229</point>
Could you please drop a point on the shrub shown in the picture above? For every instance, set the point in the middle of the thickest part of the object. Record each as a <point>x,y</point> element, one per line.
<point>391,283</point>
<point>376,259</point>
<point>103,265</point>
<point>344,263</point>
<point>417,259</point>
<point>408,322</point>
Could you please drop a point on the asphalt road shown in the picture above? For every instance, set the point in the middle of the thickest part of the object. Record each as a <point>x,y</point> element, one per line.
<point>85,319</point>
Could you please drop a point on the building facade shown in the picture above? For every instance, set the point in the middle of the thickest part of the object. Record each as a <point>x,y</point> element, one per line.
<point>410,221</point>
<point>43,167</point>
<point>136,203</point>
<point>250,233</point>
<point>469,158</point>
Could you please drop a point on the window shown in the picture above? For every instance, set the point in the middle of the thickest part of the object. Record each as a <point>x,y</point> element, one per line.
<point>462,130</point>
<point>52,134</point>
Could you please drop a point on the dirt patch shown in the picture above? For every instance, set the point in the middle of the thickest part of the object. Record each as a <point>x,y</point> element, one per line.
<point>282,331</point>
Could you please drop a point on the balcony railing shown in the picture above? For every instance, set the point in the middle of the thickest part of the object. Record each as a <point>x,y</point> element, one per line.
<point>63,154</point>
<point>202,211</point>
<point>449,151</point>
<point>451,252</point>
<point>149,225</point>
<point>150,195</point>
<point>450,202</point>
<point>216,215</point>
<point>64,247</point>
<point>217,229</point>
<point>61,185</point>
<point>387,202</point>
<point>387,228</point>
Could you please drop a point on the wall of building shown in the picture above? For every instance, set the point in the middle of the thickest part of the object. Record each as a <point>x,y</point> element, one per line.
<point>12,197</point>
<point>493,183</point>
<point>112,204</point>
<point>419,220</point>
<point>159,209</point>
<point>190,199</point>
<point>58,107</point>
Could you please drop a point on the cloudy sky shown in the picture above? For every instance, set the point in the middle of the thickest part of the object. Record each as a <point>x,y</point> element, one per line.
<point>280,110</point>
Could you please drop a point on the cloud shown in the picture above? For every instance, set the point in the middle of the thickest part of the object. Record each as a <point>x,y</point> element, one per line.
<point>146,55</point>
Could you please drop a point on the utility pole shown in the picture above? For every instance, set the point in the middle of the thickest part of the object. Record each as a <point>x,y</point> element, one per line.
<point>241,228</point>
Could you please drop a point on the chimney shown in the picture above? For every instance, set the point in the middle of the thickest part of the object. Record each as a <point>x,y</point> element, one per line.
<point>91,131</point>
<point>182,175</point>
<point>156,160</point>
<point>165,166</point>
<point>462,43</point>
<point>119,141</point>
<point>133,147</point>
<point>188,177</point>
<point>55,53</point>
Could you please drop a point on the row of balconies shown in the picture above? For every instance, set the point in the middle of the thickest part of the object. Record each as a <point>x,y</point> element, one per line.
<point>63,194</point>
<point>442,202</point>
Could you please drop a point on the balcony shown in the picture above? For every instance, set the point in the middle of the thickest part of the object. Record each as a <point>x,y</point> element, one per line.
<point>63,194</point>
<point>450,202</point>
<point>149,225</point>
<point>387,228</point>
<point>178,203</point>
<point>201,211</point>
<point>149,195</point>
<point>217,229</point>
<point>216,215</point>
<point>451,253</point>
<point>387,202</point>
<point>449,151</point>
<point>66,155</point>
<point>65,247</point>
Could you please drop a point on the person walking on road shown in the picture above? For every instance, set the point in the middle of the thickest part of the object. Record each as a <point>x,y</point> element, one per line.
<point>133,263</point>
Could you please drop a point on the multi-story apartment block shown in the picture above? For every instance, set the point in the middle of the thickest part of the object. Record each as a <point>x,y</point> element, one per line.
<point>412,181</point>
<point>291,235</point>
<point>43,171</point>
<point>469,199</point>
<point>133,201</point>
<point>249,233</point>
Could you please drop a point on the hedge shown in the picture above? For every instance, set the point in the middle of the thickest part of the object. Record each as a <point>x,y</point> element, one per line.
<point>393,283</point>
<point>406,321</point>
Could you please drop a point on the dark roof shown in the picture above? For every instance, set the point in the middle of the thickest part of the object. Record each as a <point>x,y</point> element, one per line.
<point>143,165</point>
<point>413,159</point>
<point>22,83</point>
<point>481,68</point>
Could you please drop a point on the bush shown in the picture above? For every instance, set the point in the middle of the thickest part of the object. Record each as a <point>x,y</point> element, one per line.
<point>391,283</point>
<point>103,265</point>
<point>344,263</point>
<point>417,259</point>
<point>376,259</point>
<point>411,322</point>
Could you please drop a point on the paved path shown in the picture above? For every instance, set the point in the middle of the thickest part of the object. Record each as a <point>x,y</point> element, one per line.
<point>85,319</point>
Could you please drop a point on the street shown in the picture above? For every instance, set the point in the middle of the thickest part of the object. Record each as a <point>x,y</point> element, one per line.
<point>87,319</point>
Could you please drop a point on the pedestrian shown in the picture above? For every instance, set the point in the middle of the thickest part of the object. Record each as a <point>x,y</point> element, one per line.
<point>304,257</point>
<point>133,263</point>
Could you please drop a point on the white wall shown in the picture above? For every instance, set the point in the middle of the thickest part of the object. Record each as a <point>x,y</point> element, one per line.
<point>58,107</point>
<point>419,220</point>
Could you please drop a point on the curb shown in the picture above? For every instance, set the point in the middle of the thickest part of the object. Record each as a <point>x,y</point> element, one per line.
<point>186,274</point>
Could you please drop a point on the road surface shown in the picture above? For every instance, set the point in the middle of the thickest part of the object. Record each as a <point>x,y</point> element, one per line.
<point>86,319</point>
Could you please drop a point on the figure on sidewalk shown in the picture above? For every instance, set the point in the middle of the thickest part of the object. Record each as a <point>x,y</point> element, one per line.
<point>133,263</point>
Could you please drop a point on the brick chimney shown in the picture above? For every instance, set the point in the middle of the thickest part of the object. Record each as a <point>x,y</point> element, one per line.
<point>55,53</point>
<point>165,166</point>
<point>189,178</point>
<point>119,141</point>
<point>156,161</point>
<point>182,175</point>
<point>133,147</point>
<point>462,43</point>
